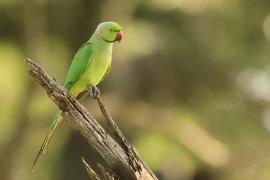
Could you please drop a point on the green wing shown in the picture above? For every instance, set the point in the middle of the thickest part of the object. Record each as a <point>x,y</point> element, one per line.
<point>79,64</point>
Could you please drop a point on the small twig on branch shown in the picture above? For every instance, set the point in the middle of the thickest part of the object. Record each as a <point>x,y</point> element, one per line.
<point>119,155</point>
<point>106,175</point>
<point>91,173</point>
<point>120,138</point>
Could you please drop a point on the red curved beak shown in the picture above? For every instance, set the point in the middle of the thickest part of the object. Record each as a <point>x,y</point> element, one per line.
<point>119,36</point>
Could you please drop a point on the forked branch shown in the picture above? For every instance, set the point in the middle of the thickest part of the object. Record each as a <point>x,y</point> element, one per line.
<point>121,158</point>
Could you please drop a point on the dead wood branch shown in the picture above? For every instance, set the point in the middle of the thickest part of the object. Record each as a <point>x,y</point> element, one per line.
<point>119,155</point>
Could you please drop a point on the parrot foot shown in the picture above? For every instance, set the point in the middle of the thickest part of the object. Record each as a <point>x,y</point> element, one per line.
<point>93,91</point>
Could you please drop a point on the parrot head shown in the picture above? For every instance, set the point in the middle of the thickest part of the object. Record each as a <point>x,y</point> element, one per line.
<point>110,31</point>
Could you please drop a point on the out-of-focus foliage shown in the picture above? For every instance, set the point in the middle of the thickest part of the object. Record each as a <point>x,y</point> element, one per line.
<point>189,85</point>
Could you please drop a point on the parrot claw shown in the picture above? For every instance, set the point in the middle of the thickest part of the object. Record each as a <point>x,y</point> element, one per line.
<point>94,91</point>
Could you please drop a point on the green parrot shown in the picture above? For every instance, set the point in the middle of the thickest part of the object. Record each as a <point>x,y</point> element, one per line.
<point>89,66</point>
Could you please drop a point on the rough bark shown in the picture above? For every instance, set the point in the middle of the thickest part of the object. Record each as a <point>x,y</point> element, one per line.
<point>120,156</point>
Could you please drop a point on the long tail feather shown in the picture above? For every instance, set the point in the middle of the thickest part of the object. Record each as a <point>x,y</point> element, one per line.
<point>56,120</point>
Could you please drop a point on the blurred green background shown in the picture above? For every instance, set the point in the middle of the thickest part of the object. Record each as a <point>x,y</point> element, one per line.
<point>189,86</point>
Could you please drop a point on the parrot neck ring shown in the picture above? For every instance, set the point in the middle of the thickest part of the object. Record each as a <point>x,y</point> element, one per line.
<point>108,40</point>
<point>118,37</point>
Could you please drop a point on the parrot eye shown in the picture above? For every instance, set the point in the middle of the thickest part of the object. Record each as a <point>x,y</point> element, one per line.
<point>111,30</point>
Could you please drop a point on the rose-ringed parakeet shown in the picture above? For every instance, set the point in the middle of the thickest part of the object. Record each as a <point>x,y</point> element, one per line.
<point>90,64</point>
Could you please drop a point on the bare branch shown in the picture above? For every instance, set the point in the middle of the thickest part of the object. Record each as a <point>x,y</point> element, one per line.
<point>105,173</point>
<point>91,173</point>
<point>121,159</point>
